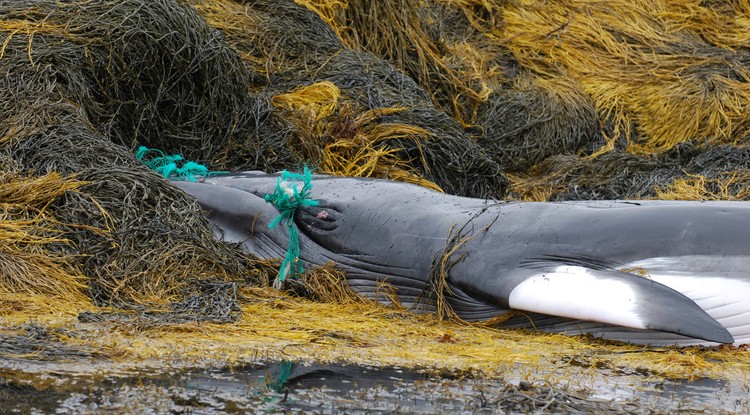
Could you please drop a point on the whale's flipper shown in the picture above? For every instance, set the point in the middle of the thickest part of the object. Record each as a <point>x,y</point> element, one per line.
<point>617,298</point>
<point>593,292</point>
<point>720,285</point>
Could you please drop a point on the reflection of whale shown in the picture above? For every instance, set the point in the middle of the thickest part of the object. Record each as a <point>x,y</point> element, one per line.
<point>648,272</point>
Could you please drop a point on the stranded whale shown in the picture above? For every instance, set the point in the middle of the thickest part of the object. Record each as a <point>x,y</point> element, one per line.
<point>656,272</point>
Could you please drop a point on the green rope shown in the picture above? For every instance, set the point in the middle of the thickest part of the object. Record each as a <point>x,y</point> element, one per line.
<point>171,167</point>
<point>287,198</point>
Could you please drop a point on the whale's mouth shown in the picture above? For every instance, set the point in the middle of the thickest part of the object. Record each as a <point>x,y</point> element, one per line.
<point>240,216</point>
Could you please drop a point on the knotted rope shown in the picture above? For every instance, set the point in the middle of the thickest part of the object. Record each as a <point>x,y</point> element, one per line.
<point>287,198</point>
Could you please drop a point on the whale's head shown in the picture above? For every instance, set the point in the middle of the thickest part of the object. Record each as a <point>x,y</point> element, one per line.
<point>351,219</point>
<point>371,229</point>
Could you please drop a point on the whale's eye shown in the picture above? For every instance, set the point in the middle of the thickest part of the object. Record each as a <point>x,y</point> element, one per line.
<point>320,218</point>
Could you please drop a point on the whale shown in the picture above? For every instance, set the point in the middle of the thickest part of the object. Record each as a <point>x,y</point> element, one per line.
<point>639,271</point>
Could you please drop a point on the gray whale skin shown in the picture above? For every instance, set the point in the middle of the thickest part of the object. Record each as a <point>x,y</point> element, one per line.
<point>648,272</point>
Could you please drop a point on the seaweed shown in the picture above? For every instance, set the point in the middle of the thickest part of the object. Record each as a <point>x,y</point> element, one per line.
<point>86,83</point>
<point>288,47</point>
<point>536,118</point>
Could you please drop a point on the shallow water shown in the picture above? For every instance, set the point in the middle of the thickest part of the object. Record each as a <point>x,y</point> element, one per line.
<point>40,388</point>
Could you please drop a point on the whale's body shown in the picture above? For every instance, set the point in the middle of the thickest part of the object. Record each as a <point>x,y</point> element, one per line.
<point>657,272</point>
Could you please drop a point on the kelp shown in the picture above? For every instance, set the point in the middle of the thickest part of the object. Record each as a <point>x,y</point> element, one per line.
<point>533,81</point>
<point>35,342</point>
<point>85,83</point>
<point>646,64</point>
<point>38,272</point>
<point>723,186</point>
<point>536,118</point>
<point>292,49</point>
<point>684,173</point>
<point>437,44</point>
<point>348,146</point>
<point>126,67</point>
<point>615,175</point>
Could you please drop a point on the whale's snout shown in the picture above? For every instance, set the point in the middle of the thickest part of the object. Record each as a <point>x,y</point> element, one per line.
<point>240,216</point>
